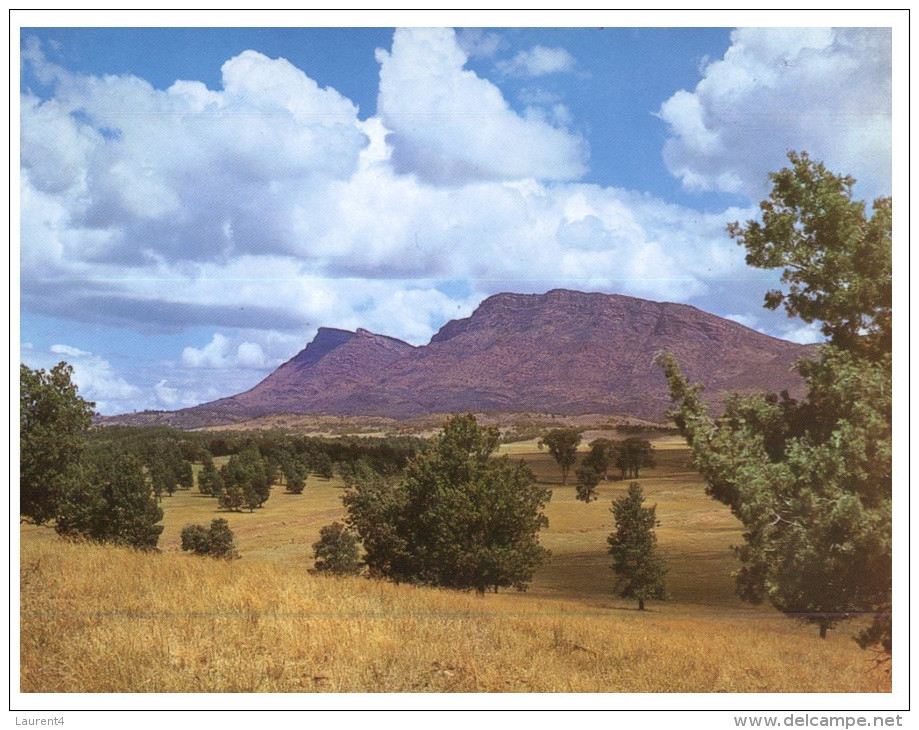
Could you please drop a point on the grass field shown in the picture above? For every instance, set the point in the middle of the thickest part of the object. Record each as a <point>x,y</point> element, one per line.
<point>172,622</point>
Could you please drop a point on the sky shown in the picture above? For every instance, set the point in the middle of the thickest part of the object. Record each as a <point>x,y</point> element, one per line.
<point>194,202</point>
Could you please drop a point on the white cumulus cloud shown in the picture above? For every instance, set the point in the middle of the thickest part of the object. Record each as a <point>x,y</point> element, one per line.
<point>451,126</point>
<point>261,210</point>
<point>820,90</point>
<point>221,353</point>
<point>167,396</point>
<point>187,172</point>
<point>95,377</point>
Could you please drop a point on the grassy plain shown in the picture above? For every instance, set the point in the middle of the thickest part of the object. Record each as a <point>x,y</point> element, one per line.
<point>100,619</point>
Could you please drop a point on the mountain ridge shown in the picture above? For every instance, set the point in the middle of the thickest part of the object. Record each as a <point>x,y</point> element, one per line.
<point>562,352</point>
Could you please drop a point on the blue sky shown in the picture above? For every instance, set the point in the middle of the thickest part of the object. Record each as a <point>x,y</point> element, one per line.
<point>195,202</point>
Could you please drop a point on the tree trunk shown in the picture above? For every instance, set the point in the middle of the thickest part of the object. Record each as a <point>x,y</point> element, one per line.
<point>823,628</point>
<point>641,604</point>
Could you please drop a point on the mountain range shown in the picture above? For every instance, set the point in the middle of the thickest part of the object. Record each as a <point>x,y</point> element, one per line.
<point>562,352</point>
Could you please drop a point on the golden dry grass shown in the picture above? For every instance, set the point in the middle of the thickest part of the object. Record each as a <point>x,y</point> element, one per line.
<point>100,619</point>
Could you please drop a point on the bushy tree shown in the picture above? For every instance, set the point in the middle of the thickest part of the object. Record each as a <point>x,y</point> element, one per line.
<point>356,472</point>
<point>588,477</point>
<point>245,481</point>
<point>186,475</point>
<point>111,502</point>
<point>337,550</point>
<point>563,445</point>
<point>459,518</point>
<point>209,481</point>
<point>216,541</point>
<point>835,259</point>
<point>222,540</point>
<point>195,539</point>
<point>53,422</point>
<point>602,455</point>
<point>295,475</point>
<point>323,466</point>
<point>637,564</point>
<point>811,481</point>
<point>593,467</point>
<point>632,455</point>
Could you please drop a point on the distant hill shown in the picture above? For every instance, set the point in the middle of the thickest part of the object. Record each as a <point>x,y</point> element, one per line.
<point>562,352</point>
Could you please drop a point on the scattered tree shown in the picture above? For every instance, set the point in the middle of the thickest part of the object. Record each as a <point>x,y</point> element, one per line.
<point>811,481</point>
<point>638,566</point>
<point>295,474</point>
<point>459,518</point>
<point>245,481</point>
<point>587,480</point>
<point>217,541</point>
<point>222,540</point>
<point>593,467</point>
<point>602,455</point>
<point>53,423</point>
<point>563,445</point>
<point>632,455</point>
<point>324,467</point>
<point>186,475</point>
<point>337,551</point>
<point>209,481</point>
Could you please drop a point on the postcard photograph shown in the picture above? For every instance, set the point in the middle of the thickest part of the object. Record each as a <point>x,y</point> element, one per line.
<point>456,359</point>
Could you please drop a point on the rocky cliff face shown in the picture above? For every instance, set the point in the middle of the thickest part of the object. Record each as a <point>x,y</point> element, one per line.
<point>562,352</point>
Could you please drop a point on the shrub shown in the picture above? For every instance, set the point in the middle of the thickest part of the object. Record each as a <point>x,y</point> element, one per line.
<point>217,541</point>
<point>336,551</point>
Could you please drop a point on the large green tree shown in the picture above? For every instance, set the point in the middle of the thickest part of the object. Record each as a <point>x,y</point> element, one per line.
<point>835,259</point>
<point>811,480</point>
<point>563,445</point>
<point>459,517</point>
<point>637,564</point>
<point>53,423</point>
<point>111,501</point>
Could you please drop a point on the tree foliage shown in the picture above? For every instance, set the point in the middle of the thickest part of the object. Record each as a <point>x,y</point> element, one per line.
<point>836,260</point>
<point>53,423</point>
<point>111,501</point>
<point>216,541</point>
<point>588,477</point>
<point>295,475</point>
<point>637,564</point>
<point>591,470</point>
<point>458,518</point>
<point>632,455</point>
<point>323,465</point>
<point>168,469</point>
<point>245,481</point>
<point>563,445</point>
<point>209,481</point>
<point>337,550</point>
<point>602,455</point>
<point>811,481</point>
